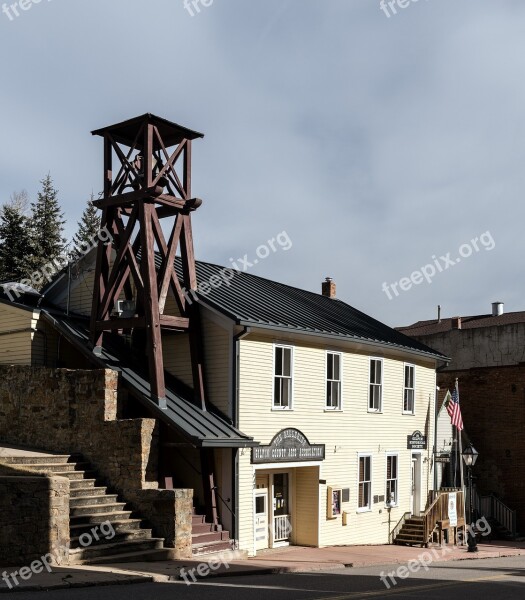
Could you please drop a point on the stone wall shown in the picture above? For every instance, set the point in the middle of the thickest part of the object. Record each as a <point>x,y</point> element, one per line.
<point>75,411</point>
<point>35,509</point>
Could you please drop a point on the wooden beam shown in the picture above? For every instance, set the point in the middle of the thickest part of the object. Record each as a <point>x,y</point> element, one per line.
<point>113,324</point>
<point>151,306</point>
<point>178,323</point>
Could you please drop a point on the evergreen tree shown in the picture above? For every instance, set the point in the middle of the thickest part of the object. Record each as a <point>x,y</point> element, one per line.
<point>88,228</point>
<point>14,243</point>
<point>46,226</point>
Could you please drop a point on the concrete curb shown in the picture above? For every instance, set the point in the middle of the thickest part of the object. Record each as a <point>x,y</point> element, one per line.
<point>129,580</point>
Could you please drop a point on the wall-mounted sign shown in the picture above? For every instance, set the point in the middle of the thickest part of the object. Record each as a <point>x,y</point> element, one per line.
<point>289,445</point>
<point>442,459</point>
<point>416,441</point>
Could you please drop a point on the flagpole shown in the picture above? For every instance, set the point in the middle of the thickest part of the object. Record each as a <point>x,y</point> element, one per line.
<point>461,463</point>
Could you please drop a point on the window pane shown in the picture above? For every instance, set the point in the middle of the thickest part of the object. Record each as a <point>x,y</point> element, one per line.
<point>286,392</point>
<point>278,361</point>
<point>277,392</point>
<point>330,366</point>
<point>336,367</point>
<point>287,362</point>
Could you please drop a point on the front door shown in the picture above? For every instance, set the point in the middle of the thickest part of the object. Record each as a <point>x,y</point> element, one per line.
<point>261,520</point>
<point>281,508</point>
<point>261,514</point>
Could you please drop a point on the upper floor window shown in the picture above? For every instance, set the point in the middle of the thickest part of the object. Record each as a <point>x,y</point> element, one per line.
<point>333,381</point>
<point>409,390</point>
<point>282,394</point>
<point>375,398</point>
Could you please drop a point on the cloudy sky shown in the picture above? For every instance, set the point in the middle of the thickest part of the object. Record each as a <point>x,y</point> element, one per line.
<point>378,143</point>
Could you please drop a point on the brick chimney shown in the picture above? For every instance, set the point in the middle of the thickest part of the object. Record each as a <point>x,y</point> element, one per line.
<point>329,288</point>
<point>456,322</point>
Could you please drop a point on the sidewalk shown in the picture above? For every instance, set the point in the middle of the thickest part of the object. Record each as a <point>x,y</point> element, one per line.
<point>294,559</point>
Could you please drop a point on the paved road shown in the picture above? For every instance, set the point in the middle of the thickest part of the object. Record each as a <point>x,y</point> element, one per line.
<point>496,579</point>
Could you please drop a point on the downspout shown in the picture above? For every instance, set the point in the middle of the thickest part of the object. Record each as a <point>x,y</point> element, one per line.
<point>235,419</point>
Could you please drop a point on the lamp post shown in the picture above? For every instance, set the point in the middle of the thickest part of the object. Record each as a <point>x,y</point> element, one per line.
<point>470,456</point>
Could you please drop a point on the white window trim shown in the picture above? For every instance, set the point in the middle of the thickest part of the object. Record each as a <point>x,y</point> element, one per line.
<point>408,412</point>
<point>368,508</point>
<point>380,409</point>
<point>396,454</point>
<point>292,376</point>
<point>340,407</point>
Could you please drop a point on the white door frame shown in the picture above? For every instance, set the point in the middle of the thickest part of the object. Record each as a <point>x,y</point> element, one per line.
<point>415,494</point>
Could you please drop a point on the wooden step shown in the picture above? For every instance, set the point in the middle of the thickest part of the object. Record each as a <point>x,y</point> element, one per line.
<point>211,536</point>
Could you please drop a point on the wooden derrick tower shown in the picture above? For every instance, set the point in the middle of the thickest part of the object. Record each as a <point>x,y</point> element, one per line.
<point>147,181</point>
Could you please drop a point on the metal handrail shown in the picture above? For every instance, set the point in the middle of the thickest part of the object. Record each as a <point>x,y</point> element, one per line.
<point>223,501</point>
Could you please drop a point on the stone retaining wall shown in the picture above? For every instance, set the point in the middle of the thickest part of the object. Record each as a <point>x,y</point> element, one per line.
<point>68,411</point>
<point>34,519</point>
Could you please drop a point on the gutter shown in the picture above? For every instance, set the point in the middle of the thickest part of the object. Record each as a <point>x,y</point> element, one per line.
<point>348,338</point>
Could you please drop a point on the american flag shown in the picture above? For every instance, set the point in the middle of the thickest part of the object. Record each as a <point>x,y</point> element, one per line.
<point>454,410</point>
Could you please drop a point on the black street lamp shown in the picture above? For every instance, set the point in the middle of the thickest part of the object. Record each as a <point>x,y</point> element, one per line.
<point>470,456</point>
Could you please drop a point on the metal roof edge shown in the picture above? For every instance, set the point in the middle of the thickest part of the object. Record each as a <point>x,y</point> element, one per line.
<point>365,341</point>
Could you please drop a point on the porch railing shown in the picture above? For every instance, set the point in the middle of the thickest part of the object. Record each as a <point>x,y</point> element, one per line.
<point>438,511</point>
<point>281,528</point>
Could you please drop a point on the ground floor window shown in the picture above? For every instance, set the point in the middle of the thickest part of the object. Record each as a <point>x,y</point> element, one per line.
<point>391,479</point>
<point>365,482</point>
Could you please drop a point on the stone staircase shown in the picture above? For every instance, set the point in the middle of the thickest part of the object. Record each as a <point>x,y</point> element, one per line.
<point>412,532</point>
<point>91,506</point>
<point>207,538</point>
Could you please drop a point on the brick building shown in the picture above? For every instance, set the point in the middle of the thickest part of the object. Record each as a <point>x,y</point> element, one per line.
<point>488,358</point>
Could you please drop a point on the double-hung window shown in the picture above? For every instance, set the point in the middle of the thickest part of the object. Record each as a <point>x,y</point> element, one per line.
<point>365,483</point>
<point>409,390</point>
<point>375,397</point>
<point>333,381</point>
<point>391,479</point>
<point>282,394</point>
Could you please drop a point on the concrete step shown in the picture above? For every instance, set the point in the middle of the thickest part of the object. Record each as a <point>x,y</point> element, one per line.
<point>92,509</point>
<point>36,460</point>
<point>81,492</point>
<point>211,547</point>
<point>92,499</point>
<point>75,484</point>
<point>110,549</point>
<point>131,557</point>
<point>119,525</point>
<point>97,518</point>
<point>50,467</point>
<point>125,536</point>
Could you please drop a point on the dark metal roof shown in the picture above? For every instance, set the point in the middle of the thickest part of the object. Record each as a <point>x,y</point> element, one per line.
<point>254,301</point>
<point>202,428</point>
<point>127,131</point>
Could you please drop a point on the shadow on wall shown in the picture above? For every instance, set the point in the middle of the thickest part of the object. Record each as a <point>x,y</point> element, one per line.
<point>34,517</point>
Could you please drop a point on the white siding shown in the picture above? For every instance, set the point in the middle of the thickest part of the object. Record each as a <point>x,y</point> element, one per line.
<point>345,433</point>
